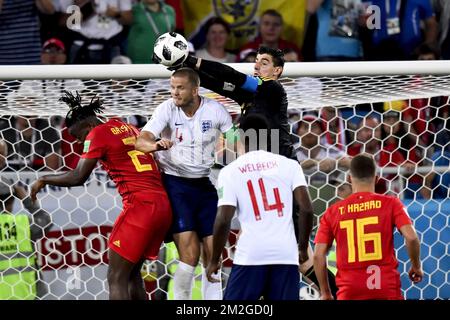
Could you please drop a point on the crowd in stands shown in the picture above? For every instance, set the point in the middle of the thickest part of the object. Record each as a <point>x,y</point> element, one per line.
<point>97,31</point>
<point>397,140</point>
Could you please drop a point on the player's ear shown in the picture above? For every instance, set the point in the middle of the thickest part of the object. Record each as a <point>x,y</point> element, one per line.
<point>278,71</point>
<point>195,90</point>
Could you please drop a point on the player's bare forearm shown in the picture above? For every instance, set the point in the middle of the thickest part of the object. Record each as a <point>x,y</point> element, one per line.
<point>305,219</point>
<point>72,178</point>
<point>67,179</point>
<point>146,146</point>
<point>320,269</point>
<point>415,273</point>
<point>412,244</point>
<point>145,142</point>
<point>413,247</point>
<point>76,177</point>
<point>305,226</point>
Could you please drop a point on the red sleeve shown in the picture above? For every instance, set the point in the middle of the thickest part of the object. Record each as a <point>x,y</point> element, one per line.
<point>325,232</point>
<point>400,214</point>
<point>94,145</point>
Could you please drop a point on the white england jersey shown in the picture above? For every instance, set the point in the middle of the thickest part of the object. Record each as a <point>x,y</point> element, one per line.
<point>194,138</point>
<point>260,185</point>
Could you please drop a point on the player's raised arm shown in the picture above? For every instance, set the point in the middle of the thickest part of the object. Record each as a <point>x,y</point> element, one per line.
<point>146,142</point>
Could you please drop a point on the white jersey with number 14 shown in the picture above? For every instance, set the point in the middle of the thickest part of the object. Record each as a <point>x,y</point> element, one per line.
<point>260,185</point>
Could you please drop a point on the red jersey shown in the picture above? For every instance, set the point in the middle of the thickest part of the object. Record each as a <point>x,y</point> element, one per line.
<point>363,226</point>
<point>131,170</point>
<point>255,44</point>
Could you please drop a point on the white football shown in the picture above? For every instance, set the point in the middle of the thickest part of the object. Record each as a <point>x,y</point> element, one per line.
<point>309,293</point>
<point>170,49</point>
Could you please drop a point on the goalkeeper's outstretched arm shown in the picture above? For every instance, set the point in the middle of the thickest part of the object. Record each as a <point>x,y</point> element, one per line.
<point>223,72</point>
<point>223,88</point>
<point>217,70</point>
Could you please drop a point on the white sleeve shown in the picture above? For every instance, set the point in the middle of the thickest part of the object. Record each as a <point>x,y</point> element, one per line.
<point>225,189</point>
<point>298,176</point>
<point>225,121</point>
<point>159,120</point>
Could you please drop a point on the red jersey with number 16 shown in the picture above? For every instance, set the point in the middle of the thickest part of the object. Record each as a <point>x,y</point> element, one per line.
<point>131,170</point>
<point>362,226</point>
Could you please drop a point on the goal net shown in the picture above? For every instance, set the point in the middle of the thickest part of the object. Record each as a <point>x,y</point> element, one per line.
<point>396,111</point>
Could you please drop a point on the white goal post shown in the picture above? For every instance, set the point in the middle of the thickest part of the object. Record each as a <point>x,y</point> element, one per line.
<point>71,257</point>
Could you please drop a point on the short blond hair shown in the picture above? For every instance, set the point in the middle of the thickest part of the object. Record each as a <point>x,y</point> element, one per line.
<point>192,76</point>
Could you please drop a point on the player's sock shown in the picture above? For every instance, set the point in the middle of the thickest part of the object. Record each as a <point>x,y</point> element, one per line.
<point>183,281</point>
<point>211,290</point>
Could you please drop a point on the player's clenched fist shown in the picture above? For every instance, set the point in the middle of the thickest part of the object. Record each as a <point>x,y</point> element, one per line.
<point>163,144</point>
<point>415,275</point>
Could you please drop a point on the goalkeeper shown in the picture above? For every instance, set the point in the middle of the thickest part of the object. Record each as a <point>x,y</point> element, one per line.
<point>261,93</point>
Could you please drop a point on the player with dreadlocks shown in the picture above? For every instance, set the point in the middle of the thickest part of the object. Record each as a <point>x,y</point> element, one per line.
<point>146,215</point>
